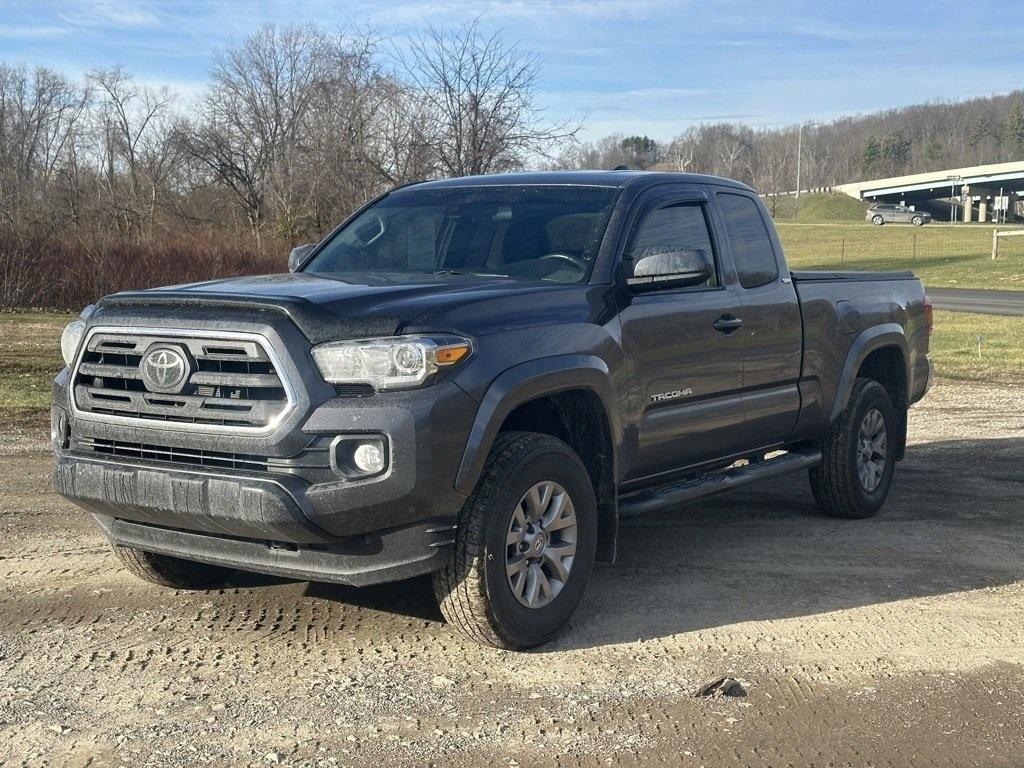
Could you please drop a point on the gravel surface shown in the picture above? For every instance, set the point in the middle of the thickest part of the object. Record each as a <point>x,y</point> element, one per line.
<point>892,641</point>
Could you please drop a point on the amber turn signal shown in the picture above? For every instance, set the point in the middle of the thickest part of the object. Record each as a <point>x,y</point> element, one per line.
<point>451,354</point>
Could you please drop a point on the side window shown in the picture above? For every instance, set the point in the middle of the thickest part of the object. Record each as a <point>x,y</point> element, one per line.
<point>681,227</point>
<point>751,244</point>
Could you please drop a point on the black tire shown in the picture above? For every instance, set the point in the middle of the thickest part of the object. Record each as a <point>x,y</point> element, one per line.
<point>172,572</point>
<point>877,220</point>
<point>473,589</point>
<point>917,221</point>
<point>836,484</point>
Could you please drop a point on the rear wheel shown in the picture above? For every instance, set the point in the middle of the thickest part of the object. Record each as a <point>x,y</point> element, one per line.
<point>170,571</point>
<point>917,221</point>
<point>858,456</point>
<point>877,220</point>
<point>525,544</point>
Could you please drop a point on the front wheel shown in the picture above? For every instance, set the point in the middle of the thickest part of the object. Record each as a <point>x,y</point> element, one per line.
<point>172,572</point>
<point>525,546</point>
<point>877,221</point>
<point>858,458</point>
<point>917,221</point>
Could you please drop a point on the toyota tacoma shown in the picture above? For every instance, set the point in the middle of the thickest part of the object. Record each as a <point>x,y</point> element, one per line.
<point>477,379</point>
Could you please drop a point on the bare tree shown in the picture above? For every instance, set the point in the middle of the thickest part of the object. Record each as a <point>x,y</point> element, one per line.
<point>769,166</point>
<point>359,130</point>
<point>253,114</point>
<point>479,92</point>
<point>133,123</point>
<point>39,112</point>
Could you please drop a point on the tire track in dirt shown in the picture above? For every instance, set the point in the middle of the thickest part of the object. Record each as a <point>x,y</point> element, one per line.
<point>895,641</point>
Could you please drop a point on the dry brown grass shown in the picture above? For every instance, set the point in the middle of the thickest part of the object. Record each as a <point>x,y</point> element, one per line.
<point>67,273</point>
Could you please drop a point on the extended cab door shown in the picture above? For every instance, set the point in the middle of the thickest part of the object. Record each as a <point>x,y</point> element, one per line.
<point>772,333</point>
<point>683,352</point>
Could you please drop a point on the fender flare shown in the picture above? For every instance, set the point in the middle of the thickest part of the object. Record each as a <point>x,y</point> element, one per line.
<point>525,382</point>
<point>867,341</point>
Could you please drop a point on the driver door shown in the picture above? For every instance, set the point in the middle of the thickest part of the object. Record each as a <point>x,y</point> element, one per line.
<point>685,361</point>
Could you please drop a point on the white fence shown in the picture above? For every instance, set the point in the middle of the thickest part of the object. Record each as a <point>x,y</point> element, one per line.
<point>997,234</point>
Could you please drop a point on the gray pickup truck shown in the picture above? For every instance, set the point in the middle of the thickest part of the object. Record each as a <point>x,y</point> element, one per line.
<point>477,379</point>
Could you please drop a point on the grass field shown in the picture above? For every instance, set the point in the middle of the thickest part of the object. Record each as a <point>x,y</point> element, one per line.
<point>955,347</point>
<point>829,232</point>
<point>30,354</point>
<point>818,208</point>
<point>29,359</point>
<point>942,256</point>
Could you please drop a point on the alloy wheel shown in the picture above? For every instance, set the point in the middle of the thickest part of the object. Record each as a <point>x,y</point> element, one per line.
<point>540,544</point>
<point>871,450</point>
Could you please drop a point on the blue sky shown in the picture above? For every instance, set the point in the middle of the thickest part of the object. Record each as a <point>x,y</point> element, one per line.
<point>645,66</point>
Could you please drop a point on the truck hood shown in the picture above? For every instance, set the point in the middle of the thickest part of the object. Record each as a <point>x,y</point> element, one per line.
<point>370,304</point>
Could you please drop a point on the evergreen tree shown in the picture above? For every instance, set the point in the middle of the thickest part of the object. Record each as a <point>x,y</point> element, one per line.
<point>896,150</point>
<point>1013,130</point>
<point>871,154</point>
<point>981,135</point>
<point>932,153</point>
<point>642,151</point>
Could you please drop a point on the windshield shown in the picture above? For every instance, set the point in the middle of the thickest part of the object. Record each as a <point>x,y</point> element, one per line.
<point>526,232</point>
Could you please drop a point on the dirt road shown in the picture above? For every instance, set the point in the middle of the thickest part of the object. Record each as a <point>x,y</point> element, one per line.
<point>893,641</point>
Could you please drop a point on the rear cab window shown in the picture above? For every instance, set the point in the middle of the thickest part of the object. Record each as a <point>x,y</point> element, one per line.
<point>752,249</point>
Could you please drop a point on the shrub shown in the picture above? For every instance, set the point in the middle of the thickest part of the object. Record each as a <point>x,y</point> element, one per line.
<point>43,272</point>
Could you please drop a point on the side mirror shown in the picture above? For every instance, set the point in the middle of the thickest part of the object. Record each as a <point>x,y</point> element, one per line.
<point>670,269</point>
<point>298,255</point>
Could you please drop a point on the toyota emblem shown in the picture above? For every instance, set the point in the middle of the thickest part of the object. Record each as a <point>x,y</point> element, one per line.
<point>164,369</point>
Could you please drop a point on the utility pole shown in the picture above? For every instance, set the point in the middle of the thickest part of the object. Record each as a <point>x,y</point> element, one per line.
<point>799,152</point>
<point>799,145</point>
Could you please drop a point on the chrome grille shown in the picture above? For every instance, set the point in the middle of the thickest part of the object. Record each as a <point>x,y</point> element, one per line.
<point>233,381</point>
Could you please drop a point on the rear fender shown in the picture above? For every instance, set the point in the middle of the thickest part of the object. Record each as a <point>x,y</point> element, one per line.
<point>869,340</point>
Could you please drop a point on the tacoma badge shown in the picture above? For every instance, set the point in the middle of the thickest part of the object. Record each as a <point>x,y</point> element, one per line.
<point>672,395</point>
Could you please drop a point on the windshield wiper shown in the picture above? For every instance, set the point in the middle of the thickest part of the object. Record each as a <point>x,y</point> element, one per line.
<point>468,274</point>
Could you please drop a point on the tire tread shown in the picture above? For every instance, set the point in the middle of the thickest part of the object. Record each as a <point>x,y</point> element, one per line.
<point>831,481</point>
<point>167,571</point>
<point>460,587</point>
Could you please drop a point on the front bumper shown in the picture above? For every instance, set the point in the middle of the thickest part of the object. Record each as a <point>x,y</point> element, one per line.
<point>382,556</point>
<point>295,516</point>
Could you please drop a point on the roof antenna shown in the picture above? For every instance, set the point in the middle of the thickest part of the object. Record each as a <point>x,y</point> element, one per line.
<point>621,168</point>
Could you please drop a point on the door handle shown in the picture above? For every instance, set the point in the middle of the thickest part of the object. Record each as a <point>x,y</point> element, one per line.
<point>728,324</point>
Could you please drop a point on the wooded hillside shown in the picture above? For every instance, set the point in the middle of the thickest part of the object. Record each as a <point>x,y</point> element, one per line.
<point>107,183</point>
<point>888,143</point>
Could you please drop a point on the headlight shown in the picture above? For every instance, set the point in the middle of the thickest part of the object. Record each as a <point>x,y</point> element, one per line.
<point>70,339</point>
<point>396,362</point>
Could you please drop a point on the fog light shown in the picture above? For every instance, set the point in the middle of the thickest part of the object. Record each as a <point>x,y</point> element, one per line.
<point>368,458</point>
<point>358,457</point>
<point>59,428</point>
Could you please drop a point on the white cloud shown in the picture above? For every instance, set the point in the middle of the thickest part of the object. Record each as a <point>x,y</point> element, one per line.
<point>122,14</point>
<point>32,31</point>
<point>534,10</point>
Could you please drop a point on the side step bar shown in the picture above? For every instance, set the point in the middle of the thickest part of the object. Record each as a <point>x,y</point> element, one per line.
<point>682,492</point>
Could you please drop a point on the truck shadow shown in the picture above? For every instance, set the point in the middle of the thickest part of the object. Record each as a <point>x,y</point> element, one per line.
<point>954,522</point>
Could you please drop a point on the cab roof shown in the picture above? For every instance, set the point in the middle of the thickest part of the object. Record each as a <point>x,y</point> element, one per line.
<point>615,179</point>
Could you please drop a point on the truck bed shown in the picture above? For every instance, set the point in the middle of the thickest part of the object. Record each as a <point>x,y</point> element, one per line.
<point>814,276</point>
<point>837,307</point>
